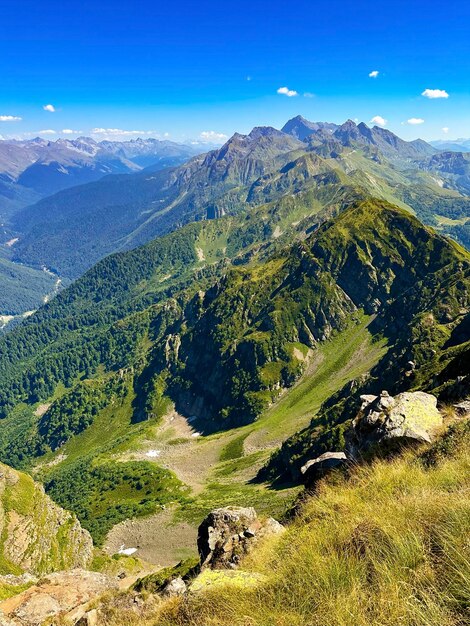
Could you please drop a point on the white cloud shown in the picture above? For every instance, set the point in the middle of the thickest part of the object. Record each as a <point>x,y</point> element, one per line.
<point>415,120</point>
<point>120,132</point>
<point>285,91</point>
<point>70,131</point>
<point>445,129</point>
<point>432,94</point>
<point>49,107</point>
<point>10,118</point>
<point>379,120</point>
<point>48,131</point>
<point>374,74</point>
<point>308,94</point>
<point>210,136</point>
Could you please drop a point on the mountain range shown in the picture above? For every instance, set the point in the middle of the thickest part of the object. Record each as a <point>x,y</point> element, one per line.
<point>32,169</point>
<point>455,145</point>
<point>117,213</point>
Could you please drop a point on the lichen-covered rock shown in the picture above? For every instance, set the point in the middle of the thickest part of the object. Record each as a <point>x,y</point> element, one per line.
<point>37,536</point>
<point>62,594</point>
<point>212,579</point>
<point>315,469</point>
<point>387,422</point>
<point>227,534</point>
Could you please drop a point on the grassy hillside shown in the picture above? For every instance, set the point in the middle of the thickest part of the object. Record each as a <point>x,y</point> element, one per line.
<point>386,545</point>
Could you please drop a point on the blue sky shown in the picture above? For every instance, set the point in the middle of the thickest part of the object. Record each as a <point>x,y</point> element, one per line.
<point>182,69</point>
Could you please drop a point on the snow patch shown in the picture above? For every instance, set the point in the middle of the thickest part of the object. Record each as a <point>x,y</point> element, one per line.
<point>126,551</point>
<point>153,453</point>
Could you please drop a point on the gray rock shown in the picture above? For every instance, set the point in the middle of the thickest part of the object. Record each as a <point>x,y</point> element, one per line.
<point>227,534</point>
<point>388,423</point>
<point>315,469</point>
<point>64,593</point>
<point>462,408</point>
<point>176,587</point>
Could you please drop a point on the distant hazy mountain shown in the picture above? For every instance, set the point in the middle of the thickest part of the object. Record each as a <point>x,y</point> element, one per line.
<point>69,231</point>
<point>30,170</point>
<point>456,145</point>
<point>74,228</point>
<point>454,165</point>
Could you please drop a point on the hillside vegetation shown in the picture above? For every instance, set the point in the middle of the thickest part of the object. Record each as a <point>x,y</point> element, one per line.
<point>260,341</point>
<point>387,545</point>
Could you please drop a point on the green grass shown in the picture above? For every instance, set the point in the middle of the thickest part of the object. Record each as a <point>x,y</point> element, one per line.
<point>234,449</point>
<point>387,546</point>
<point>340,359</point>
<point>8,591</point>
<point>218,494</point>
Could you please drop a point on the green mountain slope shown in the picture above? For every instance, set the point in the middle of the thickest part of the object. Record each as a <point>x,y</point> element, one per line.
<point>73,229</point>
<point>246,325</point>
<point>23,288</point>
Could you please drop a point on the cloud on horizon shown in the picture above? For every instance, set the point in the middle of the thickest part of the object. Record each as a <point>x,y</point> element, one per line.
<point>121,132</point>
<point>415,120</point>
<point>210,136</point>
<point>48,131</point>
<point>10,118</point>
<point>433,94</point>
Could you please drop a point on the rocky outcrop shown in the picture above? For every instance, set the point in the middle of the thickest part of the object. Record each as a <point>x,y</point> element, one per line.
<point>386,423</point>
<point>227,534</point>
<point>315,469</point>
<point>37,536</point>
<point>64,594</point>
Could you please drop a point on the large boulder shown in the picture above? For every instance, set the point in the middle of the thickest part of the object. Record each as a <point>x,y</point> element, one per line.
<point>63,594</point>
<point>227,534</point>
<point>385,423</point>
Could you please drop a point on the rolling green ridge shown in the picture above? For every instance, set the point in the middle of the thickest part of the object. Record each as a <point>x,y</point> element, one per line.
<point>258,339</point>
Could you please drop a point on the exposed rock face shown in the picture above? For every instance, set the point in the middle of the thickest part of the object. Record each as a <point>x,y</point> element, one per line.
<point>39,536</point>
<point>315,469</point>
<point>227,534</point>
<point>387,422</point>
<point>60,594</point>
